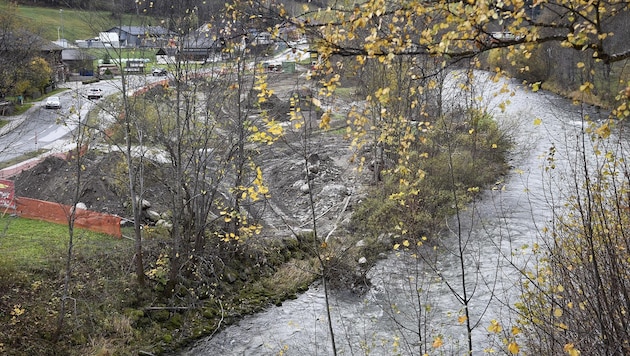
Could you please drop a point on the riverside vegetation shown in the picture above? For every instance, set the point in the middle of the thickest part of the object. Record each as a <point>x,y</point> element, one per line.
<point>427,161</point>
<point>108,316</point>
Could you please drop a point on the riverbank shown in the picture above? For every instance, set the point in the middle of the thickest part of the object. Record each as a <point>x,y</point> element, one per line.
<point>245,277</point>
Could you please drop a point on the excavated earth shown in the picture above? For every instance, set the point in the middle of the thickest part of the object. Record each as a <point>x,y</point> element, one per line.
<point>336,184</point>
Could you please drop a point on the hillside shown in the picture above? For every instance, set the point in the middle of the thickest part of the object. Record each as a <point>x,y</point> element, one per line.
<point>71,24</point>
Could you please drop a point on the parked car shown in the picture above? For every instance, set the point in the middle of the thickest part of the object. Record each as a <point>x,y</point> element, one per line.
<point>53,102</point>
<point>159,72</point>
<point>95,93</point>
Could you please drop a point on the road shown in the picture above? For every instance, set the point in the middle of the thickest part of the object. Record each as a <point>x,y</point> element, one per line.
<point>41,128</point>
<point>50,129</point>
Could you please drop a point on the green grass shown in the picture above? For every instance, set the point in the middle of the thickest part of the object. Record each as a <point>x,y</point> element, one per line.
<point>32,244</point>
<point>77,25</point>
<point>22,158</point>
<point>21,109</point>
<point>345,92</point>
<point>101,53</point>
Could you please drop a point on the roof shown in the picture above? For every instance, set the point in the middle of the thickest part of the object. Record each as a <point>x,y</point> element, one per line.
<point>72,54</point>
<point>26,40</point>
<point>141,30</point>
<point>50,46</point>
<point>202,42</point>
<point>200,39</point>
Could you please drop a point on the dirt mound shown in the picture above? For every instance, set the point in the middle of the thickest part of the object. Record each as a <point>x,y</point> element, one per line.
<point>333,183</point>
<point>55,179</point>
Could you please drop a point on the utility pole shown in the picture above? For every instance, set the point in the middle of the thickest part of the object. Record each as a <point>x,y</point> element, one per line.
<point>61,16</point>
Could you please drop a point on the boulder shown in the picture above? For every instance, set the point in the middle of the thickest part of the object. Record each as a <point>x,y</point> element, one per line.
<point>334,191</point>
<point>152,215</point>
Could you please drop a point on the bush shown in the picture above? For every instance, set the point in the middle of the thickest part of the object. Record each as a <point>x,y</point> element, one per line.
<point>456,159</point>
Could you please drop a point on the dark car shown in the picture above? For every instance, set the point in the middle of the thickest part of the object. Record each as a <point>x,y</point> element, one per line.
<point>159,72</point>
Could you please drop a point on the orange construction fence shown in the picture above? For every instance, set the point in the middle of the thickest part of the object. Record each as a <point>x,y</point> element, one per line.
<point>59,213</point>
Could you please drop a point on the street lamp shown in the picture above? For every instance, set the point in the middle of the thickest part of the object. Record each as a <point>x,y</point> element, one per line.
<point>61,16</point>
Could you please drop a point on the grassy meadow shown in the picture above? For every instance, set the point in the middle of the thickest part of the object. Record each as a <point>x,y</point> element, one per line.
<point>75,24</point>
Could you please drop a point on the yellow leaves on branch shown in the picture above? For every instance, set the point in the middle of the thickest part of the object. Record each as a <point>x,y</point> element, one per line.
<point>513,348</point>
<point>273,131</point>
<point>603,131</point>
<point>623,111</point>
<point>330,86</point>
<point>261,87</point>
<point>495,327</point>
<point>587,87</point>
<point>255,191</point>
<point>437,342</point>
<point>571,350</point>
<point>324,122</point>
<point>536,86</point>
<point>516,330</point>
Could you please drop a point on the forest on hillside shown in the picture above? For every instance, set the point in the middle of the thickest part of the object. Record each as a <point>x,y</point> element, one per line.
<point>157,8</point>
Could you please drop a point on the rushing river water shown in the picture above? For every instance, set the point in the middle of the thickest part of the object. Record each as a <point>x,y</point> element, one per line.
<point>408,299</point>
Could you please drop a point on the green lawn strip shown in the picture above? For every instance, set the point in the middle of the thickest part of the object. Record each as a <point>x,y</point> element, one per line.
<point>26,243</point>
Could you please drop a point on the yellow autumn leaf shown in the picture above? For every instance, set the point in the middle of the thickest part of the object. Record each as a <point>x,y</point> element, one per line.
<point>461,319</point>
<point>603,131</point>
<point>516,330</point>
<point>571,350</point>
<point>537,121</point>
<point>513,348</point>
<point>536,87</point>
<point>275,128</point>
<point>325,120</point>
<point>494,327</point>
<point>437,342</point>
<point>586,87</point>
<point>557,312</point>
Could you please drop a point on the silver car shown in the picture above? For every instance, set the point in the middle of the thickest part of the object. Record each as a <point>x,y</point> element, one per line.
<point>53,102</point>
<point>95,93</point>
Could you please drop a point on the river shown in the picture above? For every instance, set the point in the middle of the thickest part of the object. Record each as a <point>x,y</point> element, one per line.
<point>496,234</point>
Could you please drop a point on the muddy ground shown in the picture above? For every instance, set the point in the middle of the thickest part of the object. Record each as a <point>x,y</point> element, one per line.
<point>336,185</point>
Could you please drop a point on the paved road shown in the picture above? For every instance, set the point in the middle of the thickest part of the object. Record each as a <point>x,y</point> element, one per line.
<point>49,129</point>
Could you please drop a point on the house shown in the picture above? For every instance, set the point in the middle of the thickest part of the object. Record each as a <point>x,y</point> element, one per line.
<point>259,38</point>
<point>142,36</point>
<point>166,56</point>
<point>201,44</point>
<point>18,48</point>
<point>52,53</point>
<point>78,61</point>
<point>199,48</point>
<point>109,39</point>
